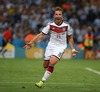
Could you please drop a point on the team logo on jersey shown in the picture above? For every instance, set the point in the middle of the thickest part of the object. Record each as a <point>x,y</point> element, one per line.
<point>64,29</point>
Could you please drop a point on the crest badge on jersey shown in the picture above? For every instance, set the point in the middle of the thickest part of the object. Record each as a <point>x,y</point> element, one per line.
<point>64,29</point>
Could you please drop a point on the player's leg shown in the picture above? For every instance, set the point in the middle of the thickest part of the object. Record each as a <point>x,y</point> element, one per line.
<point>48,72</point>
<point>46,63</point>
<point>50,69</point>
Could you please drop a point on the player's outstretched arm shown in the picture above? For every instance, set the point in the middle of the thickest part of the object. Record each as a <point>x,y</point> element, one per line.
<point>71,42</point>
<point>35,39</point>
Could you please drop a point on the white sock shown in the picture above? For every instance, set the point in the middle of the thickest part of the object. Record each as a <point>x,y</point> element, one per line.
<point>46,75</point>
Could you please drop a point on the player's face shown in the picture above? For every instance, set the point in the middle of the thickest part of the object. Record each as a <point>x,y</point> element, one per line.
<point>58,16</point>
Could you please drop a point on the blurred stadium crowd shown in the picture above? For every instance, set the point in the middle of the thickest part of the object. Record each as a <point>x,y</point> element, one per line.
<point>28,17</point>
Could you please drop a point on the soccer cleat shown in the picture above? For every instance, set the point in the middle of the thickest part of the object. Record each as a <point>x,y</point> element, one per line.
<point>39,84</point>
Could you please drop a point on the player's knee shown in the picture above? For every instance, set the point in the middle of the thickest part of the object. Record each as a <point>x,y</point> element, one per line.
<point>45,64</point>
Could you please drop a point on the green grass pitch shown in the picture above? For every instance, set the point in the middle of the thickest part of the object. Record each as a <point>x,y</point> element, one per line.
<point>20,75</point>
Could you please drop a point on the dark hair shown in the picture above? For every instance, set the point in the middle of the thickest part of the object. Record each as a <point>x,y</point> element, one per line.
<point>58,9</point>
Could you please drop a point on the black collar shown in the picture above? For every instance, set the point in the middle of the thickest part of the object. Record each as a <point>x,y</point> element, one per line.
<point>58,24</point>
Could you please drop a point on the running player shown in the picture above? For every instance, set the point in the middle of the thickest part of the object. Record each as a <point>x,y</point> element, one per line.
<point>59,31</point>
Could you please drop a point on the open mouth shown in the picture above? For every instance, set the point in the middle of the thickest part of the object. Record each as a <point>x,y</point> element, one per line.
<point>57,18</point>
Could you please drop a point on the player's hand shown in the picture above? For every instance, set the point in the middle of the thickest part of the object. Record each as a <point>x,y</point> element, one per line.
<point>28,46</point>
<point>74,52</point>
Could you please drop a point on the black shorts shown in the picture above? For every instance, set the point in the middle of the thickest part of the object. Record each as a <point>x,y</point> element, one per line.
<point>4,43</point>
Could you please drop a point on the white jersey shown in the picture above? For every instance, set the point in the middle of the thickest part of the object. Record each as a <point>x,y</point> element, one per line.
<point>58,34</point>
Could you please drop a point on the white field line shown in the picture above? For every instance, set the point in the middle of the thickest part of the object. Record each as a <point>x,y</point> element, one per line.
<point>92,70</point>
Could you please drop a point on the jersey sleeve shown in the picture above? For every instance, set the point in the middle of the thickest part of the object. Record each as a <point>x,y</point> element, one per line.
<point>46,29</point>
<point>70,30</point>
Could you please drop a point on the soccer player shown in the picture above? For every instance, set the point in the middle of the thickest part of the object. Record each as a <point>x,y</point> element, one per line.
<point>59,31</point>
